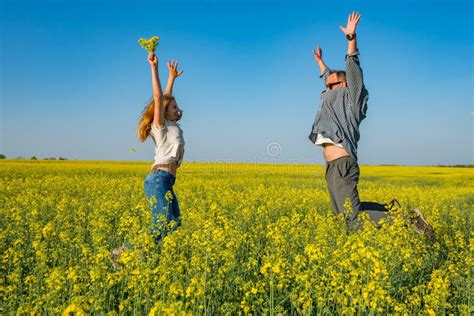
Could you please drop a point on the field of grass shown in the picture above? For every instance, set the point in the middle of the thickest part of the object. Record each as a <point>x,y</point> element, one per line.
<point>257,239</point>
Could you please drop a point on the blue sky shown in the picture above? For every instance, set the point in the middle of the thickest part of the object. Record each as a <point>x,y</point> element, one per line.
<point>74,79</point>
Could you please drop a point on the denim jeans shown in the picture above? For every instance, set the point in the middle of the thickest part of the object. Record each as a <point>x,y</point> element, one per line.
<point>163,202</point>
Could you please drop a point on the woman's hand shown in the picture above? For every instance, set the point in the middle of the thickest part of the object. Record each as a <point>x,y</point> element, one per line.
<point>152,59</point>
<point>173,69</point>
<point>318,54</point>
<point>352,21</point>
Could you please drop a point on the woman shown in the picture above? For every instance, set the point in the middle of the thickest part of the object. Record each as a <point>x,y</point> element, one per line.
<point>159,121</point>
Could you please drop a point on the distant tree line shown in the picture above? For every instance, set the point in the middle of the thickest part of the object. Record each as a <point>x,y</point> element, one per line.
<point>2,156</point>
<point>456,166</point>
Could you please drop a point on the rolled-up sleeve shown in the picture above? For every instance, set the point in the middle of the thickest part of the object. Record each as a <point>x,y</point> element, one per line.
<point>325,74</point>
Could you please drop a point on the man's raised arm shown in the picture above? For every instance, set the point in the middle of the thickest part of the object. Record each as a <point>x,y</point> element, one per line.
<point>318,55</point>
<point>350,32</point>
<point>354,77</point>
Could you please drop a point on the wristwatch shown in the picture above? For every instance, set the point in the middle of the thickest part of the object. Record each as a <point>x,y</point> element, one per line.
<point>350,37</point>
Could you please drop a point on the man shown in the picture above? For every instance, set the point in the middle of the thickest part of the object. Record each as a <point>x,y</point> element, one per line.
<point>336,129</point>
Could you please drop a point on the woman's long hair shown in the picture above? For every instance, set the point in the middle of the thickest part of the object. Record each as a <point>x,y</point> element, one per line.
<point>144,123</point>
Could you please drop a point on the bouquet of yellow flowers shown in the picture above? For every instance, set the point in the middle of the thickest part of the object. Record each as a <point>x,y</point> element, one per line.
<point>149,44</point>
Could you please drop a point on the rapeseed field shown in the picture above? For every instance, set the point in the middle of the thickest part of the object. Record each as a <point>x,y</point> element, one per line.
<point>255,239</point>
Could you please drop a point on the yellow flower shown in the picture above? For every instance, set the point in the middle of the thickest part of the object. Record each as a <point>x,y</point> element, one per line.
<point>149,44</point>
<point>73,309</point>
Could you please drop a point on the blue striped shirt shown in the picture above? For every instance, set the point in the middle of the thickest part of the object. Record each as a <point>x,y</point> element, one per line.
<point>341,110</point>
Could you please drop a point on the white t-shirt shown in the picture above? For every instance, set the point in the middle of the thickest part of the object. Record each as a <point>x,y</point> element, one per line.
<point>321,140</point>
<point>169,143</point>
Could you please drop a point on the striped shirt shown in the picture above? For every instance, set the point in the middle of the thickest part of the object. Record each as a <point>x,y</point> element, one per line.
<point>341,110</point>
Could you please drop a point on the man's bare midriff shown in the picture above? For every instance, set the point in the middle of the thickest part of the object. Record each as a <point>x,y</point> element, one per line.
<point>170,167</point>
<point>332,152</point>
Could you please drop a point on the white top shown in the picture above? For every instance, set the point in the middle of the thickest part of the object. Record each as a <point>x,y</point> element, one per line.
<point>321,140</point>
<point>169,143</point>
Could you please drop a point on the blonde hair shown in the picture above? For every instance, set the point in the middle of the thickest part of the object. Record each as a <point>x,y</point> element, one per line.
<point>146,119</point>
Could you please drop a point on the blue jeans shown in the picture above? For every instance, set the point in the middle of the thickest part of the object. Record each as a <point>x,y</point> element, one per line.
<point>163,202</point>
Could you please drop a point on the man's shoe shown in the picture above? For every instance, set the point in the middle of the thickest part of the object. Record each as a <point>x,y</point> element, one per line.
<point>420,224</point>
<point>394,204</point>
<point>115,255</point>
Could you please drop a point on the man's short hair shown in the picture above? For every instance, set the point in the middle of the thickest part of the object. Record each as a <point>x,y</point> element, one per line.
<point>341,74</point>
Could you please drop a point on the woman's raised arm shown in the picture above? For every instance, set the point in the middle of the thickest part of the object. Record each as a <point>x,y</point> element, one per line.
<point>159,110</point>
<point>173,74</point>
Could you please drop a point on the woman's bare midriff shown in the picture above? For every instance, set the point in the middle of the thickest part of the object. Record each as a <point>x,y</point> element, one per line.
<point>332,152</point>
<point>169,167</point>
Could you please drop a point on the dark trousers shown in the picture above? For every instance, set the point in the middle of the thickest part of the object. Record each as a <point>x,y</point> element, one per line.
<point>342,177</point>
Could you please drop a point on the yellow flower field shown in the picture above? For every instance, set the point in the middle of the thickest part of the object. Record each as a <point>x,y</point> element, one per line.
<point>257,239</point>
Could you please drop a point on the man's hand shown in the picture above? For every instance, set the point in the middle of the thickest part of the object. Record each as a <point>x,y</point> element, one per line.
<point>173,69</point>
<point>352,21</point>
<point>318,54</point>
